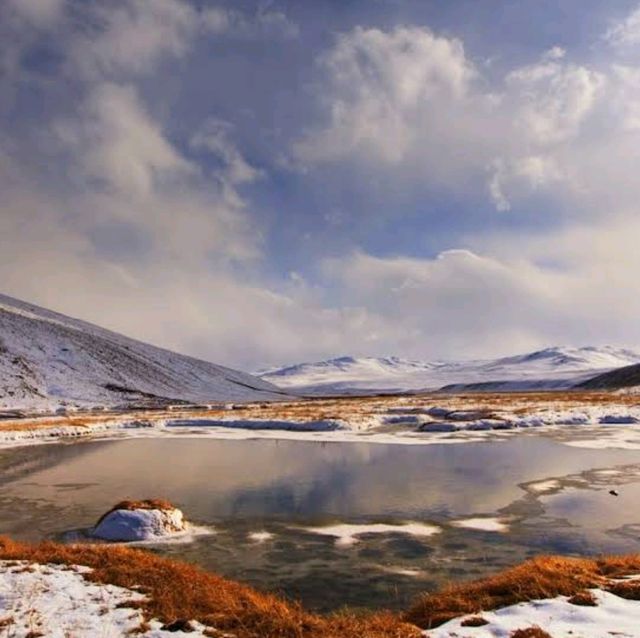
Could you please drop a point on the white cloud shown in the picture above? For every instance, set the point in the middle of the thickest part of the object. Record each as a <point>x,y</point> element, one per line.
<point>405,102</point>
<point>264,23</point>
<point>626,32</point>
<point>214,137</point>
<point>39,13</point>
<point>118,144</point>
<point>552,99</point>
<point>387,92</point>
<point>132,37</point>
<point>521,175</point>
<point>410,105</point>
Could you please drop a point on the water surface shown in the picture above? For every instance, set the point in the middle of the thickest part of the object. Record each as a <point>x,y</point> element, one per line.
<point>281,487</point>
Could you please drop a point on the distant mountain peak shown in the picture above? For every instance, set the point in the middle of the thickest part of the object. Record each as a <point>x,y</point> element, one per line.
<point>554,366</point>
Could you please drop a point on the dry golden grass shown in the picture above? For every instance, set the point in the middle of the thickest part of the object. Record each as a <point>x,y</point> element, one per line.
<point>177,592</point>
<point>6,621</point>
<point>541,577</point>
<point>583,599</point>
<point>349,408</point>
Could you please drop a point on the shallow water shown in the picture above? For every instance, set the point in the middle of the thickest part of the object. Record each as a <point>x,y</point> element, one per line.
<point>281,487</point>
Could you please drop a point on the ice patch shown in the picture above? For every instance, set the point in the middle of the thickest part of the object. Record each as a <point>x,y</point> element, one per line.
<point>260,537</point>
<point>483,524</point>
<point>402,571</point>
<point>542,487</point>
<point>347,534</point>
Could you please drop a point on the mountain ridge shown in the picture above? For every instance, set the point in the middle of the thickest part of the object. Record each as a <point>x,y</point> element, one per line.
<point>555,367</point>
<point>48,359</point>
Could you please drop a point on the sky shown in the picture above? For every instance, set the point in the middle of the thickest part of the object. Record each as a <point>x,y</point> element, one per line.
<point>264,183</point>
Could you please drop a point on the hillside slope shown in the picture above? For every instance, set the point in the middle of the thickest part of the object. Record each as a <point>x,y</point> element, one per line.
<point>551,368</point>
<point>627,377</point>
<point>48,360</point>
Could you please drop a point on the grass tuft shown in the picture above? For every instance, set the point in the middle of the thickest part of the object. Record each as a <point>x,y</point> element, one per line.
<point>541,577</point>
<point>474,621</point>
<point>177,591</point>
<point>530,632</point>
<point>583,599</point>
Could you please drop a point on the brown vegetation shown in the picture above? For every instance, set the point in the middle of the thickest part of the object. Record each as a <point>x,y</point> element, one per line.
<point>542,577</point>
<point>341,407</point>
<point>474,621</point>
<point>6,621</point>
<point>583,599</point>
<point>178,591</point>
<point>530,632</point>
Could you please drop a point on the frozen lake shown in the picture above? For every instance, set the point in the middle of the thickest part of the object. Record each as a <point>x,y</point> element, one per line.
<point>524,495</point>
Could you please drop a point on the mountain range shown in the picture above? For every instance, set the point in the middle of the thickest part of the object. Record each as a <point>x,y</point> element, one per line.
<point>48,360</point>
<point>551,368</point>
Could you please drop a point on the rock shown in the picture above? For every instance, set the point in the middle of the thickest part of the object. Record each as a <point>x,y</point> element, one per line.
<point>140,521</point>
<point>402,419</point>
<point>438,426</point>
<point>438,412</point>
<point>468,415</point>
<point>618,419</point>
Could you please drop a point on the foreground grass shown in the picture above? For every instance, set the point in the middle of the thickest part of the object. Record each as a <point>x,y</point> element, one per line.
<point>541,577</point>
<point>178,591</point>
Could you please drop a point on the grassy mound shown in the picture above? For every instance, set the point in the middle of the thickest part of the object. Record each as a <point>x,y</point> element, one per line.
<point>541,577</point>
<point>178,591</point>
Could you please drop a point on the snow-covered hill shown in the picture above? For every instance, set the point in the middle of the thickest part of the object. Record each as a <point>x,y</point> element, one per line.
<point>48,360</point>
<point>557,367</point>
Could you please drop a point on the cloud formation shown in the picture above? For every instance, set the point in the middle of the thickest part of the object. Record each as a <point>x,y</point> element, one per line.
<point>126,207</point>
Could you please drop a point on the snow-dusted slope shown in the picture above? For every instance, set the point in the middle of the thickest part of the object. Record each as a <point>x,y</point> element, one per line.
<point>627,378</point>
<point>550,368</point>
<point>48,359</point>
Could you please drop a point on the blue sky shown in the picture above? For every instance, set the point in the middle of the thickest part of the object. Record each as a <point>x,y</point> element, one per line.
<point>260,183</point>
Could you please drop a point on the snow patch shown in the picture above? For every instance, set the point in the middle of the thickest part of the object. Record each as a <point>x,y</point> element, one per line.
<point>543,487</point>
<point>483,524</point>
<point>347,534</point>
<point>613,616</point>
<point>260,537</point>
<point>57,601</point>
<point>125,525</point>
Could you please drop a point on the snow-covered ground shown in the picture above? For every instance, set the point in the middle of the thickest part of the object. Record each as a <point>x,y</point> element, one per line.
<point>557,367</point>
<point>56,601</point>
<point>48,360</point>
<point>611,616</point>
<point>410,420</point>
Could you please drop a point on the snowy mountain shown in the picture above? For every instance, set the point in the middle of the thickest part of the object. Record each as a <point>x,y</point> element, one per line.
<point>555,367</point>
<point>48,359</point>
